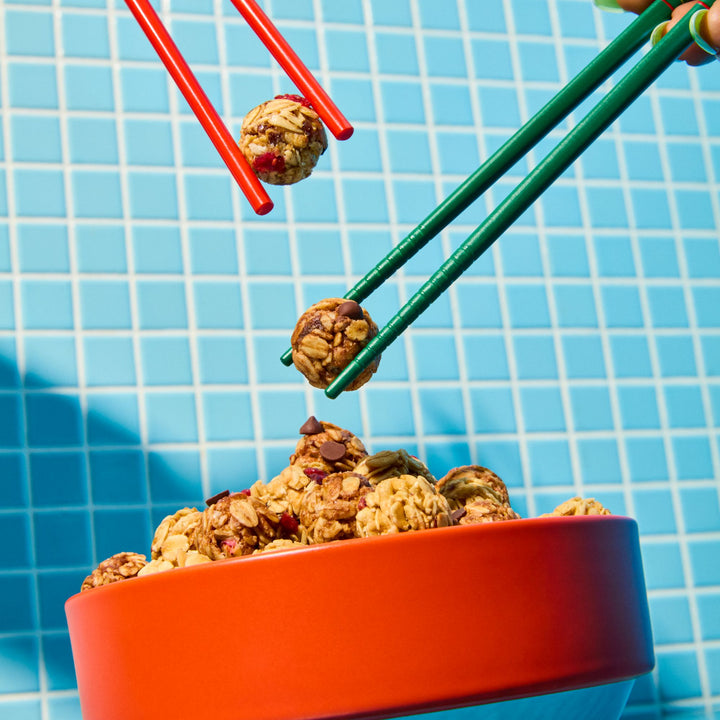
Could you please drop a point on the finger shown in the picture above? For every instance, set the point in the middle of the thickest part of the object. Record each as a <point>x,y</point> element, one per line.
<point>636,6</point>
<point>694,55</point>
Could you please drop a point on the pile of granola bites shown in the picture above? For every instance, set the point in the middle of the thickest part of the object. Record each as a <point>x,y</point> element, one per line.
<point>331,490</point>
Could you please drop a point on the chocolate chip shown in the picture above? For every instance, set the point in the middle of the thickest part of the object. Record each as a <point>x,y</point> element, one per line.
<point>215,498</point>
<point>457,514</point>
<point>332,451</point>
<point>311,426</point>
<point>350,309</point>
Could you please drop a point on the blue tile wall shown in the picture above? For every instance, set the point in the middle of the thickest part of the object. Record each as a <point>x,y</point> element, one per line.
<point>144,306</point>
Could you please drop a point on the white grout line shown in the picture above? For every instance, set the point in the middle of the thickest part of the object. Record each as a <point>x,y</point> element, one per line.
<point>666,430</point>
<point>395,231</point>
<point>21,362</point>
<point>177,118</point>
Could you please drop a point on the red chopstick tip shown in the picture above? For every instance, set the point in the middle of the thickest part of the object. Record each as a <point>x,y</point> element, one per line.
<point>345,132</point>
<point>264,208</point>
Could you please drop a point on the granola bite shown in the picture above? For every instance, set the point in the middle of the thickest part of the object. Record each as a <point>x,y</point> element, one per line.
<point>236,525</point>
<point>326,448</point>
<point>284,492</point>
<point>463,485</point>
<point>156,566</point>
<point>328,508</point>
<point>482,510</point>
<point>175,535</point>
<point>328,336</point>
<point>403,503</point>
<point>280,545</point>
<point>578,506</point>
<point>392,463</point>
<point>282,139</point>
<point>120,566</point>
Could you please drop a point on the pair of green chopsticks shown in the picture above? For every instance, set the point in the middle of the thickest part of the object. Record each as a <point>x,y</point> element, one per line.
<point>632,85</point>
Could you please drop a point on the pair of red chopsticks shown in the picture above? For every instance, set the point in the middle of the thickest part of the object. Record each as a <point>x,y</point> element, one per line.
<point>195,96</point>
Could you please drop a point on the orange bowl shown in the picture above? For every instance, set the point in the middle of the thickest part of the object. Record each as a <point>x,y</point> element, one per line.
<point>370,628</point>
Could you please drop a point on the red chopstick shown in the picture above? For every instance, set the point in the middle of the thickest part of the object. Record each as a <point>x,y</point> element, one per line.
<point>288,60</point>
<point>188,85</point>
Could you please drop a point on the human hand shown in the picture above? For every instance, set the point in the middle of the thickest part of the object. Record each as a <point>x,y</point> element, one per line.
<point>709,27</point>
<point>699,53</point>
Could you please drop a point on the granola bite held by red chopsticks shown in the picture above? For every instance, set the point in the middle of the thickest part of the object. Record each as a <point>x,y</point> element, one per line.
<point>282,139</point>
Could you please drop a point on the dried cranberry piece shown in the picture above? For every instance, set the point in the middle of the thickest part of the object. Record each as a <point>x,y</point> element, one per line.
<point>269,162</point>
<point>229,545</point>
<point>289,523</point>
<point>297,98</point>
<point>315,474</point>
<point>246,491</point>
<point>362,502</point>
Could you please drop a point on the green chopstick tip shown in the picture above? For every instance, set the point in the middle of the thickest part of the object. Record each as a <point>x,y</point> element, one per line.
<point>286,358</point>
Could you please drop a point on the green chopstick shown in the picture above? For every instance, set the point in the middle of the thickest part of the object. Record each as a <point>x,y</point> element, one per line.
<point>626,44</point>
<point>632,85</point>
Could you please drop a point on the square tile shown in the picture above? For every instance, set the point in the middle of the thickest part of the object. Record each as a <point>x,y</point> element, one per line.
<point>599,460</point>
<point>166,361</point>
<point>435,357</point>
<point>58,662</point>
<point>85,36</point>
<point>703,559</point>
<point>11,422</point>
<point>17,603</point>
<point>171,417</point>
<point>218,305</point>
<point>29,33</point>
<point>100,249</point>
<point>550,463</point>
<point>58,479</point>
<point>486,358</point>
<point>228,416</point>
<point>527,306</point>
<point>396,53</point>
<point>279,411</point>
<point>693,457</point>
<point>175,478</point>
<point>157,250</point>
<point>591,408</point>
<point>109,360</point>
<point>121,528</point>
<point>670,617</point>
<point>153,196</point>
<point>206,198</point>
<point>391,412</point>
<point>50,362</point>
<point>213,251</point>
<point>35,138</point>
<point>662,564</point>
<point>684,405</point>
<point>105,305</point>
<point>148,142</point>
<point>144,90</point>
<point>441,411</point>
<point>14,491</point>
<point>96,194</point>
<point>53,420</point>
<point>223,360</point>
<point>676,355</point>
<point>638,408</point>
<point>39,193</point>
<point>653,510</point>
<point>113,419</point>
<point>231,468</point>
<point>118,477</point>
<point>700,508</point>
<point>161,305</point>
<point>70,525</point>
<point>19,670</point>
<point>646,459</point>
<point>89,87</point>
<point>542,409</point>
<point>32,85</point>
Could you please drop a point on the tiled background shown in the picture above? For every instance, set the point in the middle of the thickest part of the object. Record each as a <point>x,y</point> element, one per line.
<point>143,307</point>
